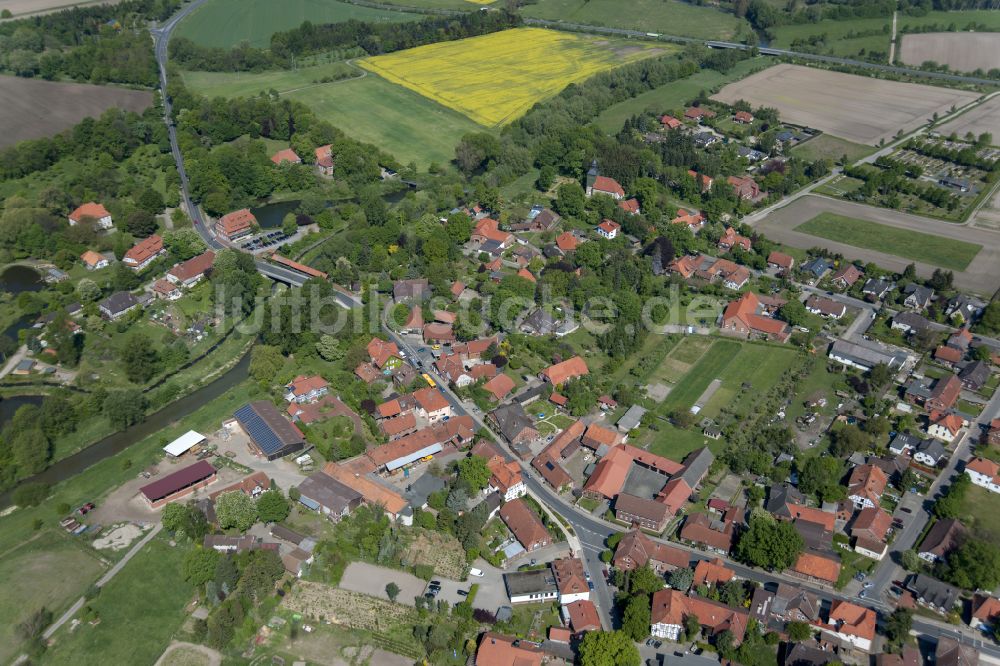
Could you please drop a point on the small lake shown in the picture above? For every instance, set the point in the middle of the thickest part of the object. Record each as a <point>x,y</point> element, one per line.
<point>18,279</point>
<point>10,405</point>
<point>270,216</point>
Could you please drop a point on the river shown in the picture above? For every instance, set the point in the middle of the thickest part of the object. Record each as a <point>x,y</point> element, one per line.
<point>119,441</point>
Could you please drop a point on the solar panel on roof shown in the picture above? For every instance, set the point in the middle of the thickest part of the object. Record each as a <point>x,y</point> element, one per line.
<point>258,430</point>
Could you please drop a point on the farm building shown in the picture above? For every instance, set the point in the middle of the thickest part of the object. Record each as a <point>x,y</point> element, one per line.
<point>271,434</point>
<point>178,484</point>
<point>183,444</point>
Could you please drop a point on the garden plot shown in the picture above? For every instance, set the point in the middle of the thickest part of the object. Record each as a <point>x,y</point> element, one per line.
<point>857,108</point>
<point>440,551</point>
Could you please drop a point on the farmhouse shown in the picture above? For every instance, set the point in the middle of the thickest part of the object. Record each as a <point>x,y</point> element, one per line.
<point>191,271</point>
<point>178,484</point>
<point>286,155</point>
<point>526,527</point>
<point>636,550</point>
<point>94,261</point>
<point>371,491</point>
<point>93,212</point>
<point>742,318</point>
<point>144,252</point>
<point>236,224</point>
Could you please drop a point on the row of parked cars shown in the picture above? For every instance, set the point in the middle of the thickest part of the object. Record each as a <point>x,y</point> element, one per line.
<point>264,240</point>
<point>71,524</point>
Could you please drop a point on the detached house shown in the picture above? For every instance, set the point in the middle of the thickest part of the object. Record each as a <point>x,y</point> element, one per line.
<point>703,182</point>
<point>324,160</point>
<point>306,389</point>
<point>944,427</point>
<point>745,187</point>
<point>984,473</point>
<point>866,485</point>
<point>780,260</point>
<point>506,479</point>
<point>236,224</point>
<point>741,317</point>
<point>286,155</point>
<point>117,305</point>
<point>560,373</point>
<point>825,307</point>
<point>671,607</point>
<point>193,270</point>
<point>94,261</point>
<point>846,276</point>
<point>526,527</point>
<point>731,238</point>
<point>851,623</point>
<point>144,253</point>
<point>918,297</point>
<point>608,229</point>
<point>93,212</point>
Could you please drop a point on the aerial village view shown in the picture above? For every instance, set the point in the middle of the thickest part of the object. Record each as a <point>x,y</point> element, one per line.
<point>500,332</point>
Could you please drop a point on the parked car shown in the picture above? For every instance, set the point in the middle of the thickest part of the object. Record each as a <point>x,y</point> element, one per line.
<point>85,509</point>
<point>463,593</point>
<point>478,573</point>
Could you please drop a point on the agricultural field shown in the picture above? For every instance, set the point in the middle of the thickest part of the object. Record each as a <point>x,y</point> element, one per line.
<point>944,252</point>
<point>856,108</point>
<point>153,579</point>
<point>670,17</point>
<point>983,118</point>
<point>527,64</point>
<point>22,8</point>
<point>250,84</point>
<point>961,51</point>
<point>462,5</point>
<point>828,147</point>
<point>48,570</point>
<point>676,93</point>
<point>33,108</point>
<point>226,23</point>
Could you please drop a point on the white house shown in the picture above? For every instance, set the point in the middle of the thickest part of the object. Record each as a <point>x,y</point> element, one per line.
<point>608,229</point>
<point>984,473</point>
<point>93,211</point>
<point>945,428</point>
<point>929,452</point>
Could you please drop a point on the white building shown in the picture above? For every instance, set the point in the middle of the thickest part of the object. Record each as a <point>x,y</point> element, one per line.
<point>984,473</point>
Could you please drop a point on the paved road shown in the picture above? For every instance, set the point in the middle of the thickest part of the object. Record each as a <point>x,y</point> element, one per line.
<point>102,581</point>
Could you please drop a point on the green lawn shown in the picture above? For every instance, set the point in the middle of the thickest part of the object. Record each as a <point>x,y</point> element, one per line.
<point>828,147</point>
<point>49,571</point>
<point>675,443</point>
<point>936,250</point>
<point>249,84</point>
<point>676,93</point>
<point>670,17</point>
<point>140,609</point>
<point>711,366</point>
<point>226,23</point>
<point>981,514</point>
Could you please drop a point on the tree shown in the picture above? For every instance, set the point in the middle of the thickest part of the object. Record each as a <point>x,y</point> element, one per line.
<point>140,358</point>
<point>235,509</point>
<point>200,564</point>
<point>636,618</point>
<point>973,565</point>
<point>474,472</point>
<point>793,312</point>
<point>87,290</point>
<point>848,439</point>
<point>329,348</point>
<point>897,626</point>
<point>140,224</point>
<point>570,199</point>
<point>820,476</point>
<point>272,507</point>
<point>124,408</point>
<point>288,225</point>
<point>265,362</point>
<point>691,626</point>
<point>392,591</point>
<point>608,648</point>
<point>769,543</point>
<point>798,631</point>
<point>643,580</point>
<point>681,579</point>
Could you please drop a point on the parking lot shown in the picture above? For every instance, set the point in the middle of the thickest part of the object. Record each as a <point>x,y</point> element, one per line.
<point>372,579</point>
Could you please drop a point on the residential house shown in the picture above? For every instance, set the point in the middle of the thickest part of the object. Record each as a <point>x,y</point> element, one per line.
<point>630,206</point>
<point>93,212</point>
<point>498,650</point>
<point>950,652</point>
<point>964,308</point>
<point>383,354</point>
<point>117,305</point>
<point>608,229</point>
<point>693,219</point>
<point>851,623</point>
<point>918,297</point>
<point>704,139</point>
<point>193,270</point>
<point>697,113</point>
<point>571,580</point>
<point>306,389</point>
<point>606,186</point>
<point>94,261</point>
<point>944,394</point>
<point>938,596</point>
<point>712,572</point>
<point>945,535</point>
<point>236,224</point>
<point>909,322</point>
<point>514,424</point>
<point>731,238</point>
<point>825,307</point>
<point>865,356</point>
<point>975,375</point>
<point>670,122</point>
<point>703,182</point>
<point>166,290</point>
<point>582,616</point>
<point>647,513</point>
<point>431,404</point>
<point>846,276</point>
<point>499,387</point>
<point>324,160</point>
<point>793,604</point>
<point>816,267</point>
<point>635,549</point>
<point>321,492</point>
<point>780,260</point>
<point>567,242</point>
<point>930,452</point>
<point>506,479</point>
<point>559,373</point>
<point>631,419</point>
<point>866,485</point>
<point>526,527</point>
<point>985,612</point>
<point>869,530</point>
<point>944,426</point>
<point>286,155</point>
<point>488,229</point>
<point>984,473</point>
<point>948,355</point>
<point>144,253</point>
<point>745,187</point>
<point>715,534</point>
<point>877,288</point>
<point>819,566</point>
<point>670,607</point>
<point>743,117</point>
<point>742,317</point>
<point>417,289</point>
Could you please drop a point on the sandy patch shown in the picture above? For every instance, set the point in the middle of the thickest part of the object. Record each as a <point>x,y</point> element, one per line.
<point>119,538</point>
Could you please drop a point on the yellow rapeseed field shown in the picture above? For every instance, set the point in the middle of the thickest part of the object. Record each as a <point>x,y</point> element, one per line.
<point>493,79</point>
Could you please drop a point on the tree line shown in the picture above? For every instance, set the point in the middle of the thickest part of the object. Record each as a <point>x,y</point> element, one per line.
<point>310,38</point>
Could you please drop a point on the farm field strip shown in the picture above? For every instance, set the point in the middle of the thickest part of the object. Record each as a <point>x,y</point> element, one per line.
<point>983,118</point>
<point>495,78</point>
<point>961,51</point>
<point>249,84</point>
<point>939,251</point>
<point>856,108</point>
<point>226,23</point>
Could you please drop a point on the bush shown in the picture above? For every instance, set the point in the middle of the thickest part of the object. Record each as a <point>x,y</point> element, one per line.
<point>423,571</point>
<point>30,494</point>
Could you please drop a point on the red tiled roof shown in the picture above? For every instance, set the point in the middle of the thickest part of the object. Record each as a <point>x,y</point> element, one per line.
<point>985,467</point>
<point>527,528</point>
<point>367,373</point>
<point>812,515</point>
<point>609,185</point>
<point>692,218</point>
<point>671,607</point>
<point>744,310</point>
<point>92,258</point>
<point>302,268</point>
<point>165,287</point>
<point>559,373</point>
<point>948,354</point>
<point>499,386</point>
<point>237,221</point>
<point>712,572</point>
<point>498,650</point>
<point>583,616</point>
<point>286,155</point>
<point>675,495</point>
<point>608,227</point>
<point>430,399</point>
<point>817,566</point>
<point>780,259</point>
<point>381,351</point>
<point>743,117</point>
<point>945,393</point>
<point>567,242</point>
<point>398,424</point>
<point>848,274</point>
<point>457,288</point>
<point>489,229</point>
<point>867,481</point>
<point>597,435</point>
<point>952,422</point>
<point>144,250</point>
<point>872,521</point>
<point>193,267</point>
<point>89,209</point>
<point>857,621</point>
<point>526,274</point>
<point>630,206</point>
<point>302,384</point>
<point>670,122</point>
<point>504,475</point>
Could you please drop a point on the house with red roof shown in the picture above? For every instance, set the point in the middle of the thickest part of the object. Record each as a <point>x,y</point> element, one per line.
<point>488,229</point>
<point>383,353</point>
<point>306,388</point>
<point>984,473</point>
<point>94,212</point>
<point>606,186</point>
<point>745,187</point>
<point>525,525</point>
<point>526,274</point>
<point>866,485</point>
<point>743,117</point>
<point>694,219</point>
<point>704,182</point>
<point>236,224</point>
<point>944,394</point>
<point>697,113</point>
<point>671,607</point>
<point>985,611</point>
<point>506,479</point>
<point>850,623</point>
<point>559,373</point>
<point>630,206</point>
<point>742,318</point>
<point>286,155</point>
<point>846,276</point>
<point>144,253</point>
<point>432,404</point>
<point>94,261</point>
<point>499,387</point>
<point>712,572</point>
<point>780,260</point>
<point>324,160</point>
<point>567,242</point>
<point>582,616</point>
<point>714,533</point>
<point>166,290</point>
<point>949,356</point>
<point>637,550</point>
<point>498,650</point>
<point>945,426</point>
<point>670,122</point>
<point>731,238</point>
<point>608,229</point>
<point>193,270</point>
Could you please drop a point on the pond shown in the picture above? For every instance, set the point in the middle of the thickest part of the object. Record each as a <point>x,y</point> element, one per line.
<point>17,279</point>
<point>271,215</point>
<point>11,404</point>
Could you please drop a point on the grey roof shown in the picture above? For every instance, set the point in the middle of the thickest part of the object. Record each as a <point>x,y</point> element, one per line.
<point>418,491</point>
<point>932,591</point>
<point>120,301</point>
<point>491,247</point>
<point>975,374</point>
<point>750,153</point>
<point>630,420</point>
<point>910,320</point>
<point>919,292</point>
<point>817,266</point>
<point>801,654</point>
<point>816,537</point>
<point>328,492</point>
<point>867,355</point>
<point>530,394</point>
<point>780,495</point>
<point>790,597</point>
<point>696,466</point>
<point>932,448</point>
<point>273,434</point>
<point>512,420</point>
<point>540,581</point>
<point>411,289</point>
<point>286,534</point>
<point>904,440</point>
<point>539,321</point>
<point>920,388</point>
<point>876,286</point>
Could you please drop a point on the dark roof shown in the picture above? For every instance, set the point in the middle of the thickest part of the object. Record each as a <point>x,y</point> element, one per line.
<point>285,534</point>
<point>911,320</point>
<point>268,428</point>
<point>932,448</point>
<point>322,488</point>
<point>540,321</point>
<point>942,537</point>
<point>530,582</point>
<point>119,302</point>
<point>779,496</point>
<point>919,291</point>
<point>696,466</point>
<point>512,420</point>
<point>801,654</point>
<point>178,480</point>
<point>642,507</point>
<point>933,591</point>
<point>975,374</point>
